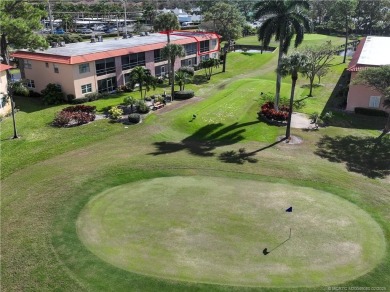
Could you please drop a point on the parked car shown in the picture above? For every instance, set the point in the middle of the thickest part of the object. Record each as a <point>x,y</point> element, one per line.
<point>86,31</point>
<point>111,30</point>
<point>59,31</point>
<point>80,29</point>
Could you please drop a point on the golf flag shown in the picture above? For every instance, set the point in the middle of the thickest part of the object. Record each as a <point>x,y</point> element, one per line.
<point>289,209</point>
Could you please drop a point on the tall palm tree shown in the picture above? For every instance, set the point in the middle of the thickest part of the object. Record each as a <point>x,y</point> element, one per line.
<point>286,18</point>
<point>292,65</point>
<point>171,52</point>
<point>166,22</point>
<point>182,78</point>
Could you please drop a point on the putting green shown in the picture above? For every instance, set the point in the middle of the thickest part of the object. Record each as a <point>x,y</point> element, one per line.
<point>213,230</point>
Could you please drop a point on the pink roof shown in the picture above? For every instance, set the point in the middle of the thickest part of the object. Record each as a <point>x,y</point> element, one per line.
<point>353,65</point>
<point>4,67</point>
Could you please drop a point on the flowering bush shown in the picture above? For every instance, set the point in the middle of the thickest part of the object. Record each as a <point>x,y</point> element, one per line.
<point>75,115</point>
<point>115,113</point>
<point>270,113</point>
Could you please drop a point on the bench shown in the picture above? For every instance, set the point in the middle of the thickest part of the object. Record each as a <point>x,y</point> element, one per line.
<point>157,105</point>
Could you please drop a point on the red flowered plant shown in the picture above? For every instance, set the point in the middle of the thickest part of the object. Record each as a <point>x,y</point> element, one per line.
<point>75,115</point>
<point>268,111</point>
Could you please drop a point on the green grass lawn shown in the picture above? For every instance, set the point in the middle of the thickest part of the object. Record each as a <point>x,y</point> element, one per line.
<point>309,40</point>
<point>50,175</point>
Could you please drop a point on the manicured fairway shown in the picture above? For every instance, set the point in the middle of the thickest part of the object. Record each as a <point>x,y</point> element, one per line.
<point>213,230</point>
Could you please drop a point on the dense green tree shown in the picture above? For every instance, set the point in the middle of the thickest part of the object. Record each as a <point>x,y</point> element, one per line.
<point>379,79</point>
<point>171,52</point>
<point>319,57</point>
<point>292,65</point>
<point>208,66</point>
<point>18,21</point>
<point>342,14</point>
<point>227,21</point>
<point>149,13</point>
<point>284,20</point>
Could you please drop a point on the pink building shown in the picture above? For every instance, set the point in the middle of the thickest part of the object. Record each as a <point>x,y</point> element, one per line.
<point>5,105</point>
<point>102,66</point>
<point>372,51</point>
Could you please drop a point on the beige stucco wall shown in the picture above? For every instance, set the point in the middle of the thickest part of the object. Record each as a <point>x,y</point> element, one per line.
<point>84,78</point>
<point>359,96</point>
<point>6,108</point>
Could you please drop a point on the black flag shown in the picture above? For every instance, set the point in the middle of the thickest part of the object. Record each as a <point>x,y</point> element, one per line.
<point>289,209</point>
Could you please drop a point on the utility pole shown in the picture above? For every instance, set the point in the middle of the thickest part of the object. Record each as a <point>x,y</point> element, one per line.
<point>50,18</point>
<point>125,4</point>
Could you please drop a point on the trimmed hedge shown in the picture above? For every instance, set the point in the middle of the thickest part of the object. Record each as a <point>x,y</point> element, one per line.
<point>370,112</point>
<point>134,118</point>
<point>184,94</point>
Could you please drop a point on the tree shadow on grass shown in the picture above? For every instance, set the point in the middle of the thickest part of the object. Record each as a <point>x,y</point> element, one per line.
<point>365,155</point>
<point>205,140</point>
<point>241,156</point>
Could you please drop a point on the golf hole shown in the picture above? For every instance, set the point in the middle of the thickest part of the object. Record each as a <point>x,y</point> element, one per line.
<point>214,230</point>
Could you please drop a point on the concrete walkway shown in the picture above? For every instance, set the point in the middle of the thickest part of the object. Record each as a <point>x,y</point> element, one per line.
<point>300,121</point>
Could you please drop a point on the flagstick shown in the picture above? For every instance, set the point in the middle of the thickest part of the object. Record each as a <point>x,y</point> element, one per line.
<point>290,234</point>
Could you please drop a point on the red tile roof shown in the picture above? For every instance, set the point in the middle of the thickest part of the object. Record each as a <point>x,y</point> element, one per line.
<point>353,65</point>
<point>4,67</point>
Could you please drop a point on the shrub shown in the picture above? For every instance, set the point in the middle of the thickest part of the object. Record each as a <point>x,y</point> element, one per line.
<point>93,96</point>
<point>115,113</point>
<point>327,117</point>
<point>79,114</point>
<point>184,94</point>
<point>370,112</point>
<point>143,107</point>
<point>20,89</point>
<point>80,100</point>
<point>134,118</point>
<point>268,111</point>
<point>62,119</point>
<point>52,94</point>
<point>80,108</point>
<point>70,97</point>
<point>188,69</point>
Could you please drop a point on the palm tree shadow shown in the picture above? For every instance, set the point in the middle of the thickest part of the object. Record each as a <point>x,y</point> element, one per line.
<point>365,155</point>
<point>241,156</point>
<point>205,140</point>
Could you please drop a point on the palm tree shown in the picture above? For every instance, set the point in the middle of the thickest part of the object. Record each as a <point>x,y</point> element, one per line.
<point>182,78</point>
<point>166,22</point>
<point>292,65</point>
<point>143,77</point>
<point>285,19</point>
<point>171,52</point>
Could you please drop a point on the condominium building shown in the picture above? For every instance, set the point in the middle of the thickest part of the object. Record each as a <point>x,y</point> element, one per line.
<point>103,65</point>
<point>5,105</point>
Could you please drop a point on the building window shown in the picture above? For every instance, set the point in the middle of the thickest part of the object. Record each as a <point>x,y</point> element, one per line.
<point>204,57</point>
<point>56,70</point>
<point>86,88</point>
<point>213,44</point>
<point>160,71</point>
<point>190,48</point>
<point>374,101</point>
<point>189,62</point>
<point>107,85</point>
<point>84,68</point>
<point>204,46</point>
<point>105,66</point>
<point>158,57</point>
<point>47,65</point>
<point>214,55</point>
<point>133,60</point>
<point>30,83</point>
<point>27,64</point>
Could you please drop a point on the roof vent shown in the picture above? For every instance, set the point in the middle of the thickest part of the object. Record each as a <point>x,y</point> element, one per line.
<point>93,40</point>
<point>100,38</point>
<point>62,44</point>
<point>54,44</point>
